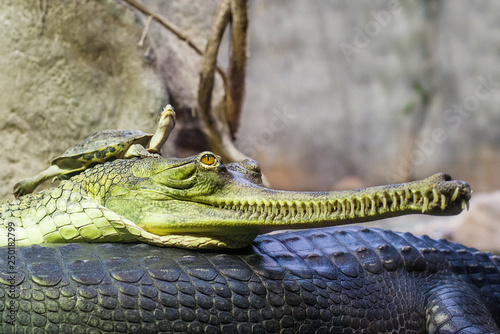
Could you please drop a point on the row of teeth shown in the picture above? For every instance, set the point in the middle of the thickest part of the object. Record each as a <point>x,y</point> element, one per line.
<point>347,207</point>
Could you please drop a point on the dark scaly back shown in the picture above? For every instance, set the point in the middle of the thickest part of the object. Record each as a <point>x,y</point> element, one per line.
<point>314,280</point>
<point>354,250</point>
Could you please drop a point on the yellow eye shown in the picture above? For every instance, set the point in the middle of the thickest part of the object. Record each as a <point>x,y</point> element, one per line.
<point>208,159</point>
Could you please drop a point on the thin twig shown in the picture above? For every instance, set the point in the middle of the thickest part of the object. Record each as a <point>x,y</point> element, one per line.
<point>218,132</point>
<point>175,30</point>
<point>145,30</point>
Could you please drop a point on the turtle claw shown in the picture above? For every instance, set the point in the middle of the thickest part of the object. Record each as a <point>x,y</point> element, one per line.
<point>22,188</point>
<point>151,154</point>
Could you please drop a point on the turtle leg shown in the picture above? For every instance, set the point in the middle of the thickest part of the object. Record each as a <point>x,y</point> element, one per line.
<point>137,150</point>
<point>27,186</point>
<point>166,123</point>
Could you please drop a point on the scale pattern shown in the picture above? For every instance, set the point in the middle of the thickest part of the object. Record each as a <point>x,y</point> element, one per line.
<point>61,214</point>
<point>330,280</point>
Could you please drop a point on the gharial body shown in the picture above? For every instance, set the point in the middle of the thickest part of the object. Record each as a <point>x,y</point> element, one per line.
<point>103,146</point>
<point>199,202</point>
<point>336,280</point>
<point>326,280</point>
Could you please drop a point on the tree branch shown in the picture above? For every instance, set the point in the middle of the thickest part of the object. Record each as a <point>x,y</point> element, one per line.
<point>237,62</point>
<point>219,132</point>
<point>209,61</point>
<point>216,130</point>
<point>175,30</point>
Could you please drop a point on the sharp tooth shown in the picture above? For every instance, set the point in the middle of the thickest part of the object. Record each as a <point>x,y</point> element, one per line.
<point>463,204</point>
<point>351,203</point>
<point>443,202</point>
<point>367,202</point>
<point>394,201</point>
<point>384,202</point>
<point>254,215</point>
<point>467,205</point>
<point>425,204</point>
<point>436,195</point>
<point>455,194</point>
<point>300,209</point>
<point>324,209</point>
<point>316,209</point>
<point>309,209</point>
<point>407,193</point>
<point>245,215</point>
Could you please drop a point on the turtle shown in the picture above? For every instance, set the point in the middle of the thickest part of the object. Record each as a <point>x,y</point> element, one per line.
<point>103,146</point>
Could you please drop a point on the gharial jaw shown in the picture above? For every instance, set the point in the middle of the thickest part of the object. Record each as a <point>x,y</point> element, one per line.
<point>267,209</point>
<point>346,207</point>
<point>199,197</point>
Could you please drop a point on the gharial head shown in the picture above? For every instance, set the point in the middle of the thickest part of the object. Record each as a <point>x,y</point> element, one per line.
<point>227,205</point>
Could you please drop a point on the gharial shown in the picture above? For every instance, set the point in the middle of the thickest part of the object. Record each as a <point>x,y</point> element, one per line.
<point>103,146</point>
<point>199,202</point>
<point>324,279</point>
<point>333,279</point>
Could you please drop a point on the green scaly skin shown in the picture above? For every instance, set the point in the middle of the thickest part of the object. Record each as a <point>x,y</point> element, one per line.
<point>198,202</point>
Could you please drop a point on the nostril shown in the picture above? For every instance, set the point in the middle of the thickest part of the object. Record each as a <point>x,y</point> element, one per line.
<point>447,177</point>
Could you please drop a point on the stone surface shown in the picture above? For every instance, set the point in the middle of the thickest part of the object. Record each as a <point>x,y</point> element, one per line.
<point>383,90</point>
<point>70,69</point>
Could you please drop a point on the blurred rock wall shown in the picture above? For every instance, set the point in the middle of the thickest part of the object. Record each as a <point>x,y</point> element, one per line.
<point>339,92</point>
<point>69,69</point>
<point>376,91</point>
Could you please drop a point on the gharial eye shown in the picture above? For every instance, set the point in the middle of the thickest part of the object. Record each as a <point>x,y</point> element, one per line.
<point>208,159</point>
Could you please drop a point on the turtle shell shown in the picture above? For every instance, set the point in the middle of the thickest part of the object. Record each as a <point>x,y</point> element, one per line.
<point>100,147</point>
